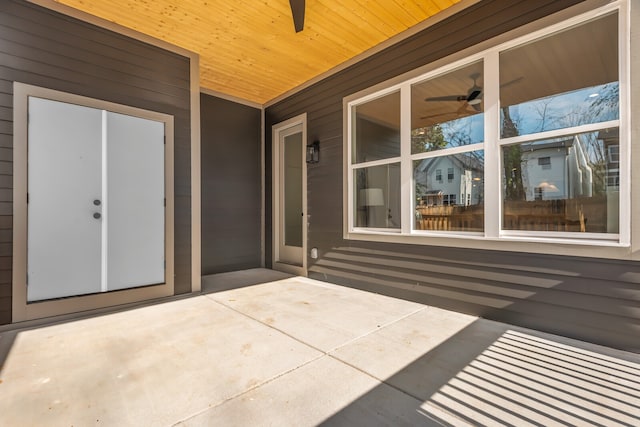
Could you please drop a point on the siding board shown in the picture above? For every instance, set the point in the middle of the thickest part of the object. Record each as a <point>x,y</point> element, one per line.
<point>44,48</point>
<point>33,19</point>
<point>14,43</point>
<point>593,300</point>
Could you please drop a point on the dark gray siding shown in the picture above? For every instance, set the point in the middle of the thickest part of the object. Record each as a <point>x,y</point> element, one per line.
<point>594,300</point>
<point>44,48</point>
<point>231,185</point>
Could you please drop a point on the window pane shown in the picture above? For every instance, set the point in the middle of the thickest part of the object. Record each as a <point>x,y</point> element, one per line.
<point>563,80</point>
<point>576,189</point>
<point>446,111</point>
<point>453,205</point>
<point>376,129</point>
<point>292,189</point>
<point>377,196</point>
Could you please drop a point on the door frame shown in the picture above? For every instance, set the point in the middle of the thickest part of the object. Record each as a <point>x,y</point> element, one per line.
<point>21,310</point>
<point>277,130</point>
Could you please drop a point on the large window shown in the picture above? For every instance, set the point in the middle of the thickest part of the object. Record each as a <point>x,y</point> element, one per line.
<point>543,113</point>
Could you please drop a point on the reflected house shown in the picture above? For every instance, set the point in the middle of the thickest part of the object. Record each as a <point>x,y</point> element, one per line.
<point>454,180</point>
<point>611,142</point>
<point>556,169</point>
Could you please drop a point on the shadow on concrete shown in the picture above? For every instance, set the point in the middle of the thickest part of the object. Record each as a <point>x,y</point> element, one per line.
<point>495,374</point>
<point>6,343</point>
<point>240,279</point>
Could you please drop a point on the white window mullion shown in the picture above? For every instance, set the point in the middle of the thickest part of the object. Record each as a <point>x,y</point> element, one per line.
<point>492,157</point>
<point>350,200</point>
<point>406,169</point>
<point>373,163</point>
<point>625,126</point>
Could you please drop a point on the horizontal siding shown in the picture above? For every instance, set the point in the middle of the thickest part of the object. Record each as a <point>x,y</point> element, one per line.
<point>231,185</point>
<point>593,300</point>
<point>47,49</point>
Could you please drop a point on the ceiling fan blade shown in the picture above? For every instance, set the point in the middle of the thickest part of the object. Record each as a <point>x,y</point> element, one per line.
<point>447,98</point>
<point>473,95</point>
<point>433,116</point>
<point>297,10</point>
<point>464,109</point>
<point>467,109</point>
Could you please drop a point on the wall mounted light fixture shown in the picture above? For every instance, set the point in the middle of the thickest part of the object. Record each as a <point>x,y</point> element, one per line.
<point>313,152</point>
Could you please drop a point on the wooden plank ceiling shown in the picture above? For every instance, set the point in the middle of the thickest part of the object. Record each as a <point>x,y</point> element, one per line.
<point>250,50</point>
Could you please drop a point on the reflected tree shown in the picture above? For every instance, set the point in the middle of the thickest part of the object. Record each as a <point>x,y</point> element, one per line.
<point>428,138</point>
<point>512,160</point>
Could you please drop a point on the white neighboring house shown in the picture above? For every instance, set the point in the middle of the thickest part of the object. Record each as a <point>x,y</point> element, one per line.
<point>558,169</point>
<point>450,180</point>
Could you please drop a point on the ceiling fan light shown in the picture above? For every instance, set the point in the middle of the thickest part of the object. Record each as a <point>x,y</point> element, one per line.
<point>474,101</point>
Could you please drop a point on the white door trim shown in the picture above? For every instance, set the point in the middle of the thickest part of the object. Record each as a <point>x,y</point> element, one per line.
<point>275,179</point>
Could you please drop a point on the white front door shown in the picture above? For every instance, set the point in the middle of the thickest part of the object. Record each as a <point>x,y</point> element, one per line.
<point>290,197</point>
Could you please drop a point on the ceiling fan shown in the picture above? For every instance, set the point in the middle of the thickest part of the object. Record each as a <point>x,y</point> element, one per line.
<point>297,10</point>
<point>472,97</point>
<point>470,102</point>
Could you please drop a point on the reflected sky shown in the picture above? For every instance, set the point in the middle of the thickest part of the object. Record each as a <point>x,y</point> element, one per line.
<point>464,131</point>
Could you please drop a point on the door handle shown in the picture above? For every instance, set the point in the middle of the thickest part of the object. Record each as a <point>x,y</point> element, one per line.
<point>96,215</point>
<point>96,202</point>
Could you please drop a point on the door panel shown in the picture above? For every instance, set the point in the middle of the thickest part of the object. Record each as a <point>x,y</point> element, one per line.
<point>292,191</point>
<point>135,202</point>
<point>64,179</point>
<point>291,204</point>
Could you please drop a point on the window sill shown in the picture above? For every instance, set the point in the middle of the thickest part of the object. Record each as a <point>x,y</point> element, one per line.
<point>595,248</point>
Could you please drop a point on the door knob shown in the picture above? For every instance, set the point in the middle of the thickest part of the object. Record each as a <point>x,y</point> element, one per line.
<point>96,215</point>
<point>96,202</point>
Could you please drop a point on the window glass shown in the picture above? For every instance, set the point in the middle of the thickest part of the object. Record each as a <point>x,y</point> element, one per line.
<point>376,129</point>
<point>453,205</point>
<point>377,196</point>
<point>447,111</point>
<point>563,80</point>
<point>575,190</point>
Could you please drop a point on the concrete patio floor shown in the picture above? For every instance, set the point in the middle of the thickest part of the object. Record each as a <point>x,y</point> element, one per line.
<point>302,352</point>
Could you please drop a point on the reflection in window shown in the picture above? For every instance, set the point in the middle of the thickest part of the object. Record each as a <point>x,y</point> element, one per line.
<point>446,111</point>
<point>614,153</point>
<point>455,205</point>
<point>561,81</point>
<point>577,193</point>
<point>377,194</point>
<point>376,127</point>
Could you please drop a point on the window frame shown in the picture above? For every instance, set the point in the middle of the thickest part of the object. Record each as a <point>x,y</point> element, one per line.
<point>493,236</point>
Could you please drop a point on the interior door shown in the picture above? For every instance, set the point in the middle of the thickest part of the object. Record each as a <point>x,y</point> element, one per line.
<point>64,200</point>
<point>291,210</point>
